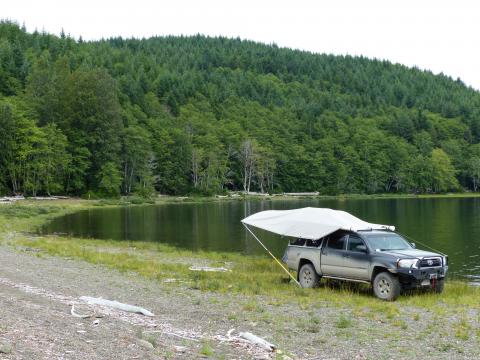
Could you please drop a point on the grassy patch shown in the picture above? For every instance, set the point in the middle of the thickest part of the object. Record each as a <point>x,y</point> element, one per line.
<point>26,211</point>
<point>252,306</point>
<point>250,275</point>
<point>400,323</point>
<point>462,329</point>
<point>444,347</point>
<point>206,350</point>
<point>149,338</point>
<point>310,325</point>
<point>343,322</point>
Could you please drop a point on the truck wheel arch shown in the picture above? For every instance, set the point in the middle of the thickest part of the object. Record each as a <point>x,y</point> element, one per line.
<point>304,261</point>
<point>376,270</point>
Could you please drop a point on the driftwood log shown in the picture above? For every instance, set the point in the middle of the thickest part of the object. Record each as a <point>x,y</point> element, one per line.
<point>116,305</point>
<point>316,193</point>
<point>254,339</point>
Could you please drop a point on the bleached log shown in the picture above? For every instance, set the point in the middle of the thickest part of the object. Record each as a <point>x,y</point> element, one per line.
<point>254,339</point>
<point>11,198</point>
<point>256,193</point>
<point>208,268</point>
<point>171,334</point>
<point>116,305</point>
<point>316,193</point>
<point>229,333</point>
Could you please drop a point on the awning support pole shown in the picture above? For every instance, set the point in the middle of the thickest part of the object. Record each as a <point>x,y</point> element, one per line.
<point>274,258</point>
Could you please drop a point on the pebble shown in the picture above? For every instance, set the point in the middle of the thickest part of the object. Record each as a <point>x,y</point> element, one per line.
<point>5,348</point>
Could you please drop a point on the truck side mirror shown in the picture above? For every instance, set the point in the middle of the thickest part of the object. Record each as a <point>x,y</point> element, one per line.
<point>414,246</point>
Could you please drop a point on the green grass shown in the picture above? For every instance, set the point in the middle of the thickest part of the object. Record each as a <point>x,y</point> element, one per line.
<point>307,325</point>
<point>206,350</point>
<point>252,306</point>
<point>463,329</point>
<point>343,322</point>
<point>26,211</point>
<point>444,347</point>
<point>250,275</point>
<point>400,323</point>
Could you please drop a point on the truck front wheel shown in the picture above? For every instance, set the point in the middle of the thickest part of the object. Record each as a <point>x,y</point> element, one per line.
<point>439,285</point>
<point>386,286</point>
<point>308,277</point>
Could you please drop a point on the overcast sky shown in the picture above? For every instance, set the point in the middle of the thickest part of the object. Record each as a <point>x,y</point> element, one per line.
<point>441,36</point>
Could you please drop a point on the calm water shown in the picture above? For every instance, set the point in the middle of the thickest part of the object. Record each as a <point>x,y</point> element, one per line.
<point>449,225</point>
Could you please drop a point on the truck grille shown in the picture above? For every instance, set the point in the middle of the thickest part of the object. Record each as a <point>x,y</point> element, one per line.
<point>430,262</point>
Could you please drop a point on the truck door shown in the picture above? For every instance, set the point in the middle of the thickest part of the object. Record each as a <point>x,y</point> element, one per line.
<point>333,255</point>
<point>357,260</point>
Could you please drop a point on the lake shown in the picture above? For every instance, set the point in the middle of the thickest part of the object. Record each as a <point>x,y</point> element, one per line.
<point>451,225</point>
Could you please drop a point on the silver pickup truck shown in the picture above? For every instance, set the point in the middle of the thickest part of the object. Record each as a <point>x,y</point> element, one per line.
<point>379,257</point>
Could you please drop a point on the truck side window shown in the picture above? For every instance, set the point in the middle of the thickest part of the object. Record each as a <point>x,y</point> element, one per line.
<point>298,242</point>
<point>314,243</point>
<point>354,242</point>
<point>337,242</point>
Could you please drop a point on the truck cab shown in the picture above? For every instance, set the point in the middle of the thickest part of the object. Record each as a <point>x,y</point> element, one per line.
<point>381,258</point>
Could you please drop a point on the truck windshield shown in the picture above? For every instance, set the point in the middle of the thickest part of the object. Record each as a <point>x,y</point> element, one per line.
<point>387,242</point>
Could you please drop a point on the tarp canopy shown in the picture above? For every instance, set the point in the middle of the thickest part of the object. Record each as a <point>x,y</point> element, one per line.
<point>309,223</point>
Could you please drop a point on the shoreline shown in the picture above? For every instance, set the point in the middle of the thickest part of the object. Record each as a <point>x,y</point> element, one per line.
<point>161,198</point>
<point>320,197</point>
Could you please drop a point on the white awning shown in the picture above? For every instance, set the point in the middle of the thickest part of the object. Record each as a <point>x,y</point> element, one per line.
<point>309,223</point>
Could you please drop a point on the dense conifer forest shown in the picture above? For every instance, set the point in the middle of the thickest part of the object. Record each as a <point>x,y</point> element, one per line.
<point>182,115</point>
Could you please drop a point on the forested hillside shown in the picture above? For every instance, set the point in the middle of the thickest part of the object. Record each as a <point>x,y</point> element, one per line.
<point>202,115</point>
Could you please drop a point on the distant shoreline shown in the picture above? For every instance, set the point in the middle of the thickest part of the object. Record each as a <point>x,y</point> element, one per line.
<point>162,199</point>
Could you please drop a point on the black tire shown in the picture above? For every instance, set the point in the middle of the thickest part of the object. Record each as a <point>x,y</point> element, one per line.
<point>386,286</point>
<point>439,286</point>
<point>308,277</point>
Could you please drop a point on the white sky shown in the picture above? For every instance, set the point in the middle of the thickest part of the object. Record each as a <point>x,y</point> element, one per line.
<point>441,36</point>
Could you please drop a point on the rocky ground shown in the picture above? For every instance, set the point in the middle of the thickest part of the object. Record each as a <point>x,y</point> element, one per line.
<point>37,292</point>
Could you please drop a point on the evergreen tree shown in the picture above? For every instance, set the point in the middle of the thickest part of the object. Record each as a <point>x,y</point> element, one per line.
<point>199,114</point>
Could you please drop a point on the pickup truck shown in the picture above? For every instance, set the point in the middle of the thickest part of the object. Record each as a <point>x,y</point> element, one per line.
<point>381,258</point>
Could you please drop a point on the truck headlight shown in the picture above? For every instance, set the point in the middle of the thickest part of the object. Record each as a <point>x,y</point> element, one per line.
<point>408,263</point>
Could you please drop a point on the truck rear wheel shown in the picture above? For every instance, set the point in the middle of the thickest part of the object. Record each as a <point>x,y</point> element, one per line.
<point>308,277</point>
<point>386,286</point>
